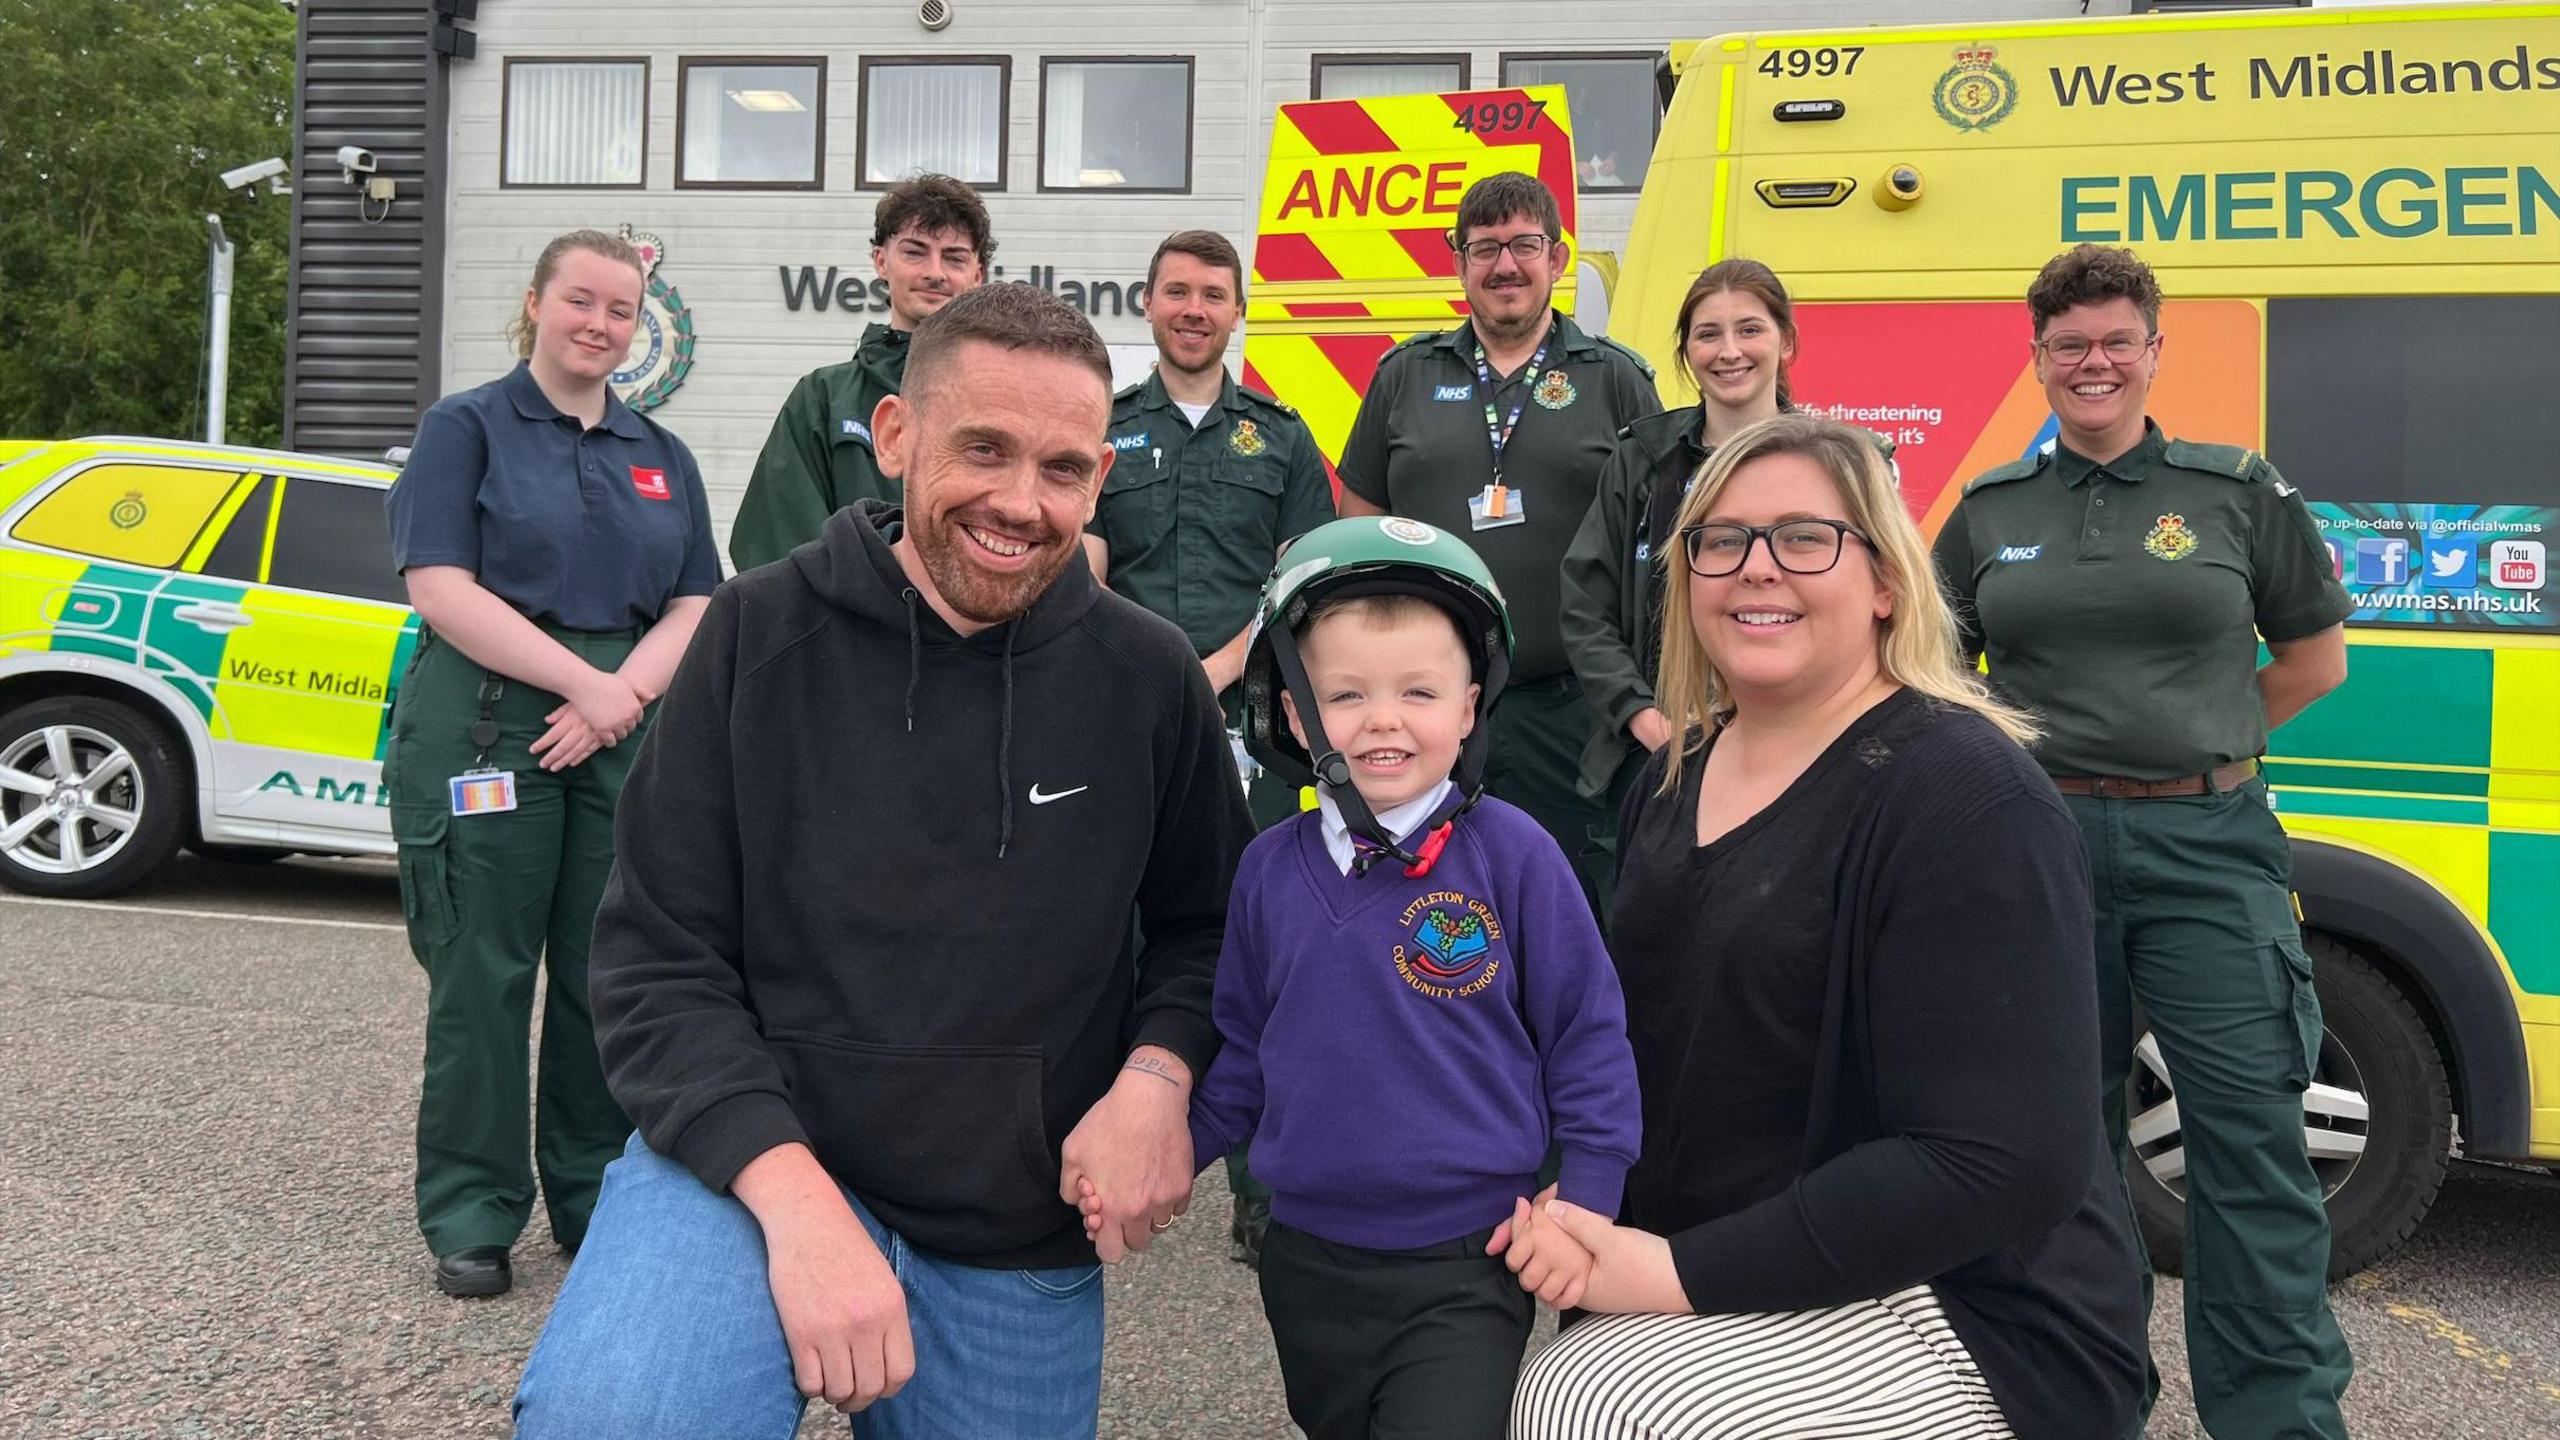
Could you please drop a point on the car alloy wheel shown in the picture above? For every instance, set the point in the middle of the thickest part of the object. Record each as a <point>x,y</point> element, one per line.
<point>70,799</point>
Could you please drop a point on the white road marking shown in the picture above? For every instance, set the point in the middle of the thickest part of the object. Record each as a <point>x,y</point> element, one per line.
<point>120,908</point>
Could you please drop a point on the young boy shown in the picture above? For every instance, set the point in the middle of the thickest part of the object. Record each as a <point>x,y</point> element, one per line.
<point>1414,999</point>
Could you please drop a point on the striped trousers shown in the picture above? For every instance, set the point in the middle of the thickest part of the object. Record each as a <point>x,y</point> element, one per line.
<point>1889,1369</point>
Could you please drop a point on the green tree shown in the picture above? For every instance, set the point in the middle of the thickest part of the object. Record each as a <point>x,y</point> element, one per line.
<point>116,118</point>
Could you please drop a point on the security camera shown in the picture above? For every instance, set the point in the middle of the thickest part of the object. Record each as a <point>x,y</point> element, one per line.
<point>247,176</point>
<point>354,160</point>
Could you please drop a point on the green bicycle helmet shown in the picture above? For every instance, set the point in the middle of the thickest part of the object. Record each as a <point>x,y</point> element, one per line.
<point>1368,555</point>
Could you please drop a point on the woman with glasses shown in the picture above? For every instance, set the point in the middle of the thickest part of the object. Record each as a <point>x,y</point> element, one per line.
<point>2121,584</point>
<point>1854,935</point>
<point>1737,336</point>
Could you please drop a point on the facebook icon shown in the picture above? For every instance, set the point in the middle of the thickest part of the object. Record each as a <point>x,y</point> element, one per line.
<point>2381,561</point>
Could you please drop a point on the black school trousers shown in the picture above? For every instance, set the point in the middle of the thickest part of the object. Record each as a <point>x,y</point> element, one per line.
<point>1395,1344</point>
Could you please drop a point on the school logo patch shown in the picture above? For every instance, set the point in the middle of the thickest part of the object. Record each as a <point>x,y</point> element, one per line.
<point>1245,440</point>
<point>662,343</point>
<point>651,482</point>
<point>2170,539</point>
<point>1448,952</point>
<point>1450,393</point>
<point>1553,391</point>
<point>1975,93</point>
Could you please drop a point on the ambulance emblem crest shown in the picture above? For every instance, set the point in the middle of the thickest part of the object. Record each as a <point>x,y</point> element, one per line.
<point>661,353</point>
<point>1554,391</point>
<point>1246,440</point>
<point>1976,93</point>
<point>2170,539</point>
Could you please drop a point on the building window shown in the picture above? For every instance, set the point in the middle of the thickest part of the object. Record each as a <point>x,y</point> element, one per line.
<point>1115,124</point>
<point>575,123</point>
<point>1354,77</point>
<point>1614,112</point>
<point>751,121</point>
<point>944,115</point>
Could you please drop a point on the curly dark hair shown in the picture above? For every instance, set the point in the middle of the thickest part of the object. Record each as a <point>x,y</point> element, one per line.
<point>2093,274</point>
<point>934,203</point>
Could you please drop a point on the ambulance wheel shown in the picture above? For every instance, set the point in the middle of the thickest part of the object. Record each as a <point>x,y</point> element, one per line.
<point>91,797</point>
<point>2378,1120</point>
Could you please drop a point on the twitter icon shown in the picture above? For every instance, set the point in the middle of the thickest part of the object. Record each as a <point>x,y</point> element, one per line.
<point>2453,564</point>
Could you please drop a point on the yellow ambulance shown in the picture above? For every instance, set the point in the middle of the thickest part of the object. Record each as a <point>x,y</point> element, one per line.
<point>2357,212</point>
<point>199,646</point>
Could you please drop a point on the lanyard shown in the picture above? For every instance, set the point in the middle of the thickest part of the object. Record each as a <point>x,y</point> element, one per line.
<point>1499,430</point>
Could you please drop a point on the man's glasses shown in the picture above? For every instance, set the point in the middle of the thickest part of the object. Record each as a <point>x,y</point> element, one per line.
<point>2123,347</point>
<point>1523,248</point>
<point>1801,547</point>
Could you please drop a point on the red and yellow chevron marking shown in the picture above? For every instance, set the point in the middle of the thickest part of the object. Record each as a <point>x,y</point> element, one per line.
<point>1352,253</point>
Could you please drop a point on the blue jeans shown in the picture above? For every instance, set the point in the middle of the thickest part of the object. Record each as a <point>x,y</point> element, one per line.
<point>666,1328</point>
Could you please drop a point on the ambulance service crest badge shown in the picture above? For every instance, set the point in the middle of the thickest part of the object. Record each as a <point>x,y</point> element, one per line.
<point>1976,93</point>
<point>2170,539</point>
<point>1246,440</point>
<point>661,353</point>
<point>1554,391</point>
<point>129,512</point>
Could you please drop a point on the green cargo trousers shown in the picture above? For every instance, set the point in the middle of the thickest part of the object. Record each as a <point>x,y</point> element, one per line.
<point>2196,922</point>
<point>490,899</point>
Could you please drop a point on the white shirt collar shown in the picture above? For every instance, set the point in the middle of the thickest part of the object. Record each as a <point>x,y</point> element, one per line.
<point>1398,821</point>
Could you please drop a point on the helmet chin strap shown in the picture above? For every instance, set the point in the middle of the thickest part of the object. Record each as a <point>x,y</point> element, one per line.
<point>1332,767</point>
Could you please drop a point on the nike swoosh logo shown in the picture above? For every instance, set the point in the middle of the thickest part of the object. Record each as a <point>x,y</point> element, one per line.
<point>1039,799</point>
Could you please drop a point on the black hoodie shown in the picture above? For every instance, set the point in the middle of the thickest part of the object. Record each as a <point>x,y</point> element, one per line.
<point>875,886</point>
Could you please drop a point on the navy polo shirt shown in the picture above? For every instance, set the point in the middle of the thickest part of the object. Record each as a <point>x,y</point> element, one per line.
<point>586,529</point>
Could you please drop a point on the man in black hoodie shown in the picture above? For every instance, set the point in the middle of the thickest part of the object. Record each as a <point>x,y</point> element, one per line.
<point>862,978</point>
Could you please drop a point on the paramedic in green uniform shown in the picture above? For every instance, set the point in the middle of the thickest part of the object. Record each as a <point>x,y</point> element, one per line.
<point>2121,585</point>
<point>929,242</point>
<point>1208,480</point>
<point>1497,431</point>
<point>558,551</point>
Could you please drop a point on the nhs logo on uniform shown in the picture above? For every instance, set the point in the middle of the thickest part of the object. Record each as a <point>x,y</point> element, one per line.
<point>2011,554</point>
<point>1130,442</point>
<point>1453,392</point>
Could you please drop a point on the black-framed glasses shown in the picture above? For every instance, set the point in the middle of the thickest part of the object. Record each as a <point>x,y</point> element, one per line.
<point>1523,248</point>
<point>1801,547</point>
<point>2123,347</point>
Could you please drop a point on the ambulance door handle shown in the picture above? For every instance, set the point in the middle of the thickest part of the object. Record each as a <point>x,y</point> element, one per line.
<point>216,618</point>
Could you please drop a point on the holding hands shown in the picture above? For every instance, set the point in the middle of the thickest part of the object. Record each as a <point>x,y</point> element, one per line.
<point>1568,1257</point>
<point>1127,1165</point>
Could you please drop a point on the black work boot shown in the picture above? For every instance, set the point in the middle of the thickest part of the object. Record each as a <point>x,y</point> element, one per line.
<point>480,1270</point>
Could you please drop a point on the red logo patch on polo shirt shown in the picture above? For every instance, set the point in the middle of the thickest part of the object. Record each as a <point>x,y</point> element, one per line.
<point>652,484</point>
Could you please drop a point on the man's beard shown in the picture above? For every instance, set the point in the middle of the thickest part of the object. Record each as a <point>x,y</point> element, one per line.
<point>1519,329</point>
<point>986,598</point>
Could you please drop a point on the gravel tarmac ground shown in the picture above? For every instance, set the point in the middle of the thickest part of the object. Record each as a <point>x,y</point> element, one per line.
<point>206,1092</point>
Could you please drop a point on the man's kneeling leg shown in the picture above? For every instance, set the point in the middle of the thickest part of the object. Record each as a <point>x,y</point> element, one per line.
<point>665,1328</point>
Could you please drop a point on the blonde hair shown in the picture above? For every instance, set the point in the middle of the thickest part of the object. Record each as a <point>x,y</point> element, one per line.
<point>1916,645</point>
<point>594,242</point>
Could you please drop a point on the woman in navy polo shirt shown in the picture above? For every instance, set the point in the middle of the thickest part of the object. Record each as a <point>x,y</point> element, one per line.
<point>558,549</point>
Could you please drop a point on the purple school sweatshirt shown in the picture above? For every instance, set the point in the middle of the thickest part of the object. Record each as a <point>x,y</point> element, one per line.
<point>1401,1050</point>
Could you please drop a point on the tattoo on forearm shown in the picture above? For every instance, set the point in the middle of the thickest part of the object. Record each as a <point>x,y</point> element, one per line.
<point>1163,1070</point>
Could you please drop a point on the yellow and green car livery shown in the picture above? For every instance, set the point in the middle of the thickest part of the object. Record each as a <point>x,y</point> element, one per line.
<point>199,645</point>
<point>2355,212</point>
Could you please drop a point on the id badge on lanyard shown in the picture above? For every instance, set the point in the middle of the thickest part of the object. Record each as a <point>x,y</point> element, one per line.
<point>1498,504</point>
